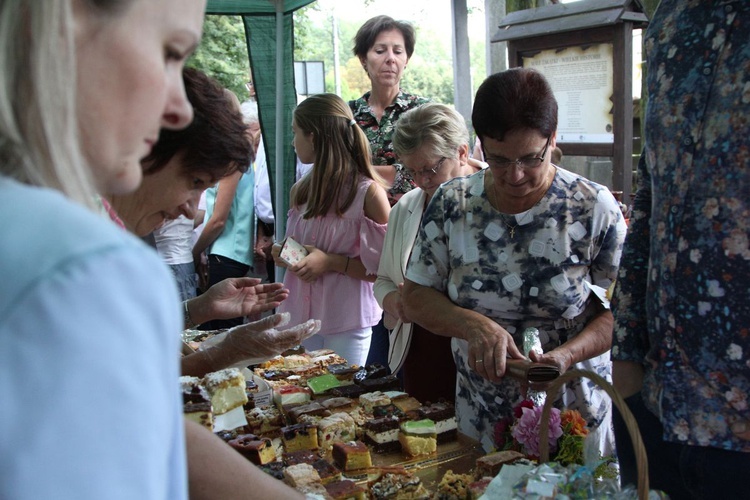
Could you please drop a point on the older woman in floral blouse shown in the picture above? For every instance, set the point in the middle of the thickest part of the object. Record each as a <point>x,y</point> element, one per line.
<point>514,246</point>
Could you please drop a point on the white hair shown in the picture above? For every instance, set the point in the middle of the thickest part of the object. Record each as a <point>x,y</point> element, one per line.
<point>249,111</point>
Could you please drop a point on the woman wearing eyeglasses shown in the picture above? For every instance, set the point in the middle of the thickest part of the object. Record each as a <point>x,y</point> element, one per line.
<point>516,246</point>
<point>432,142</point>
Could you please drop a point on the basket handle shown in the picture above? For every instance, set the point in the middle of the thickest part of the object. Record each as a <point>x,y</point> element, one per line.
<point>632,425</point>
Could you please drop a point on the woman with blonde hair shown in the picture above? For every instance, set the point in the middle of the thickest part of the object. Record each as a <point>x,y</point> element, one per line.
<point>339,211</point>
<point>433,144</point>
<point>89,315</point>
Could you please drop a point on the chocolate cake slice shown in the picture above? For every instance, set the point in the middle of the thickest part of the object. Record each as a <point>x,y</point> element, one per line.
<point>381,434</point>
<point>444,415</point>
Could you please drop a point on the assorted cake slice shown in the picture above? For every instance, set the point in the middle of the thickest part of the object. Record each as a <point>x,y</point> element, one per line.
<point>326,470</point>
<point>356,411</point>
<point>302,436</point>
<point>300,475</point>
<point>418,437</point>
<point>336,428</point>
<point>454,486</point>
<point>196,402</point>
<point>290,394</point>
<point>351,456</point>
<point>370,400</point>
<point>398,485</point>
<point>382,434</point>
<point>444,416</point>
<point>346,490</point>
<point>256,449</point>
<point>226,388</point>
<point>490,465</point>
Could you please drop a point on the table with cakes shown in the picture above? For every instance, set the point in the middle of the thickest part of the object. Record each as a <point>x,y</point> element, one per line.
<point>338,431</point>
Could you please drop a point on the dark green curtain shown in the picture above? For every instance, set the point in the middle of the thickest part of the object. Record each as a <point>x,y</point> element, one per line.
<point>260,20</point>
<point>260,31</point>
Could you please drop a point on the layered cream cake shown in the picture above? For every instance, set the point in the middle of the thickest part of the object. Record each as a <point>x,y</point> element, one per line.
<point>444,416</point>
<point>290,394</point>
<point>226,389</point>
<point>382,434</point>
<point>418,437</point>
<point>339,404</point>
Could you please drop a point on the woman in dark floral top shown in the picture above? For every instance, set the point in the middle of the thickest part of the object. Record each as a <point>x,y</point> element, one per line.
<point>384,47</point>
<point>681,347</point>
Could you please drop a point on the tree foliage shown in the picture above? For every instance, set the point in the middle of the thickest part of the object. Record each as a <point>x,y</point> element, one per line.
<point>222,53</point>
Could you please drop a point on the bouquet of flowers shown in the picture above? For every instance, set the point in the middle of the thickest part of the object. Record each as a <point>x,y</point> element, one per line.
<point>567,432</point>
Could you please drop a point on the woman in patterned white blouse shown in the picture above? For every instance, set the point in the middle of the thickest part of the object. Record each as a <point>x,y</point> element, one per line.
<point>514,246</point>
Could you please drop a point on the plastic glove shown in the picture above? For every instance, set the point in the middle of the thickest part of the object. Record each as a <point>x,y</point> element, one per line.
<point>257,342</point>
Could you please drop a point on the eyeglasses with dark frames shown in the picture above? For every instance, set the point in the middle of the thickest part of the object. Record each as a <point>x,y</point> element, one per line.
<point>427,172</point>
<point>528,162</point>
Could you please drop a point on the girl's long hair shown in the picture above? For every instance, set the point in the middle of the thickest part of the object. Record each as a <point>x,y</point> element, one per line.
<point>342,155</point>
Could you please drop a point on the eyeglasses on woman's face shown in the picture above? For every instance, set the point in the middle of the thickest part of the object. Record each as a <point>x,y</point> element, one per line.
<point>527,162</point>
<point>427,172</point>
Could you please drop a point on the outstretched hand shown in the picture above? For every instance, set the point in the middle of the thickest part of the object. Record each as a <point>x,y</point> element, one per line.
<point>235,297</point>
<point>261,340</point>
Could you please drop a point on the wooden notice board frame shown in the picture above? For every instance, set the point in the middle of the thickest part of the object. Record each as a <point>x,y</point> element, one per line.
<point>583,24</point>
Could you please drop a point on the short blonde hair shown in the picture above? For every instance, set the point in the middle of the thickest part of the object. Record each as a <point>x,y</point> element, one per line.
<point>39,142</point>
<point>434,125</point>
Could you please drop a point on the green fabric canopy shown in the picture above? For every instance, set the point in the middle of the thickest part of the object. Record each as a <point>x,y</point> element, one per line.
<point>249,7</point>
<point>269,33</point>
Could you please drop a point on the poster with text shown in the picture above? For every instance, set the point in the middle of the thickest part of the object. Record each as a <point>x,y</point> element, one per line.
<point>581,80</point>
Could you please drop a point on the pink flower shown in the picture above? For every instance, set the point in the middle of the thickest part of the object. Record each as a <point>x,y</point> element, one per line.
<point>517,410</point>
<point>526,430</point>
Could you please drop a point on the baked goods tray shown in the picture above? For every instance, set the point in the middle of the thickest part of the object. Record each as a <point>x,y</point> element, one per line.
<point>459,456</point>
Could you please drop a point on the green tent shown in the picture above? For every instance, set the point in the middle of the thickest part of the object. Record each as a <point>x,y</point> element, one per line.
<point>269,32</point>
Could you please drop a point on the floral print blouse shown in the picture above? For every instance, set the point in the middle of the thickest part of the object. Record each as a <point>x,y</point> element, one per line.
<point>523,270</point>
<point>682,301</point>
<point>380,134</point>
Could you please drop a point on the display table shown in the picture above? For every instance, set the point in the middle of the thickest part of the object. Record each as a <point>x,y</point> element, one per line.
<point>459,456</point>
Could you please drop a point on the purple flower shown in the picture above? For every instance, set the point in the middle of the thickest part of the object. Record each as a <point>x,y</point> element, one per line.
<point>526,430</point>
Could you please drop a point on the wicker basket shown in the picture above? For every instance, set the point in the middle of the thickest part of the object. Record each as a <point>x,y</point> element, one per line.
<point>635,435</point>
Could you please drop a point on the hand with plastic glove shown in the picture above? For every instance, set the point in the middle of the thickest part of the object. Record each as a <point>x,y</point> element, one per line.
<point>248,344</point>
<point>233,298</point>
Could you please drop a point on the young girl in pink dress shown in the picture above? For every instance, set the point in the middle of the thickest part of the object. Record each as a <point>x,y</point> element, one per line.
<point>339,211</point>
